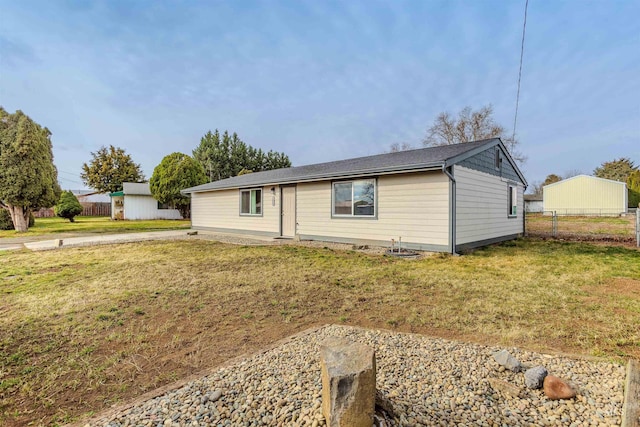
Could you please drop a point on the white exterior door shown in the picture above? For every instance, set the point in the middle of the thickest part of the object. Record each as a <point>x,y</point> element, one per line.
<point>288,213</point>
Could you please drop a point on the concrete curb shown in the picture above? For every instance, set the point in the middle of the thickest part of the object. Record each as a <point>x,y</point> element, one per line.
<point>12,247</point>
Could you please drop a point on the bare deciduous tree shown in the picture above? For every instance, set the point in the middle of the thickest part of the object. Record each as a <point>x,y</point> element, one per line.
<point>535,188</point>
<point>571,173</point>
<point>400,146</point>
<point>470,126</point>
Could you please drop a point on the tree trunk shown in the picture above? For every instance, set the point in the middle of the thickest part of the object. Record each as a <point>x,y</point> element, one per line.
<point>20,218</point>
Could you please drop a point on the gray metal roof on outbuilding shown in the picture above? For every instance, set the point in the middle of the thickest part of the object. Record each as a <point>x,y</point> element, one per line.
<point>402,161</point>
<point>136,188</point>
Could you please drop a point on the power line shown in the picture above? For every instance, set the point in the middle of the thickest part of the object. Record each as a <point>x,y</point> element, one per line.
<point>63,179</point>
<point>524,28</point>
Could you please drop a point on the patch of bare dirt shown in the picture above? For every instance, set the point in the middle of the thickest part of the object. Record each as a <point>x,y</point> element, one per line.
<point>621,286</point>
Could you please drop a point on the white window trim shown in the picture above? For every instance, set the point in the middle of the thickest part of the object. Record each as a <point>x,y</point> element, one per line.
<point>353,215</point>
<point>261,201</point>
<point>513,191</point>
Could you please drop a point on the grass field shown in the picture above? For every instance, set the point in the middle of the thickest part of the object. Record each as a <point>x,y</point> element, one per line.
<point>94,224</point>
<point>84,328</point>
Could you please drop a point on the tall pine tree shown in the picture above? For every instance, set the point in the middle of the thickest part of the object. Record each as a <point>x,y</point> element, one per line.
<point>224,155</point>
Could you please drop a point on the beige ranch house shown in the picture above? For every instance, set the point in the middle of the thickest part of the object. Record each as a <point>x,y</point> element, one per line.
<point>443,199</point>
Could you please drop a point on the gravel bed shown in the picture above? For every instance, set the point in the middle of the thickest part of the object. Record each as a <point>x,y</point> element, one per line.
<point>430,382</point>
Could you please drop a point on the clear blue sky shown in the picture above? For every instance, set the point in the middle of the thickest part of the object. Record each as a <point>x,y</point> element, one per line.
<point>322,80</point>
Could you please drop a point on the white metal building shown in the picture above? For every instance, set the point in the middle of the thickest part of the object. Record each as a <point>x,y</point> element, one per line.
<point>586,195</point>
<point>136,202</point>
<point>533,203</point>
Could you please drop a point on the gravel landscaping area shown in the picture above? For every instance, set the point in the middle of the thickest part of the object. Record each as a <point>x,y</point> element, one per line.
<point>430,382</point>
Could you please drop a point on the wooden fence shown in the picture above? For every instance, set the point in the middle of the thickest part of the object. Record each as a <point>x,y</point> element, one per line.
<point>88,209</point>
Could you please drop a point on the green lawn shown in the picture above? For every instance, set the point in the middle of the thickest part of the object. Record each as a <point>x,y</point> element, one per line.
<point>95,224</point>
<point>84,328</point>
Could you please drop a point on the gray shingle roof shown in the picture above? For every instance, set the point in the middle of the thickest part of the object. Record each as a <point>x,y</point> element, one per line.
<point>136,188</point>
<point>420,159</point>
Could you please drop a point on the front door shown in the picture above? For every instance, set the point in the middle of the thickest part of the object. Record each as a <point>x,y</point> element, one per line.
<point>288,213</point>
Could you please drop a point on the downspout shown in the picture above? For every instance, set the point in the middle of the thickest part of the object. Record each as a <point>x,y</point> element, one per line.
<point>524,213</point>
<point>452,210</point>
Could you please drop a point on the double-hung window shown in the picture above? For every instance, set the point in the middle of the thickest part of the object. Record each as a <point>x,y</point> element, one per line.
<point>497,161</point>
<point>354,198</point>
<point>251,202</point>
<point>512,197</point>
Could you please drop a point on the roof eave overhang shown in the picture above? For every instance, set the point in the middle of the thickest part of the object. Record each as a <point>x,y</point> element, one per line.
<point>329,177</point>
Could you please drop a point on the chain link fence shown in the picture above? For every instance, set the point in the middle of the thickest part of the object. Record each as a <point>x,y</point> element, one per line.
<point>601,226</point>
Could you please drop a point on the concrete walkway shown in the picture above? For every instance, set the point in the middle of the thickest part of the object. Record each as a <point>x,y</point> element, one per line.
<point>106,239</point>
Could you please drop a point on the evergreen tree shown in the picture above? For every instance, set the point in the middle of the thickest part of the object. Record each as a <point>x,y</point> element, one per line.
<point>617,170</point>
<point>28,177</point>
<point>224,156</point>
<point>176,172</point>
<point>68,206</point>
<point>7,224</point>
<point>633,186</point>
<point>109,168</point>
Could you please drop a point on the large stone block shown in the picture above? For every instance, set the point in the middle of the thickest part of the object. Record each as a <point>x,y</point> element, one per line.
<point>348,383</point>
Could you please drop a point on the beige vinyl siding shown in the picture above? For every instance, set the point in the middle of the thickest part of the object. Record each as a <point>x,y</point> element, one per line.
<point>412,206</point>
<point>221,210</point>
<point>481,205</point>
<point>585,195</point>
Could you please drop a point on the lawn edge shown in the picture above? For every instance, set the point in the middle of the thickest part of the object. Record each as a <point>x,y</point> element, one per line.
<point>121,407</point>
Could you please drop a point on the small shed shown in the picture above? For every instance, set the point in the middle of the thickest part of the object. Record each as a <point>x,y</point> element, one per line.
<point>136,202</point>
<point>585,195</point>
<point>533,203</point>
